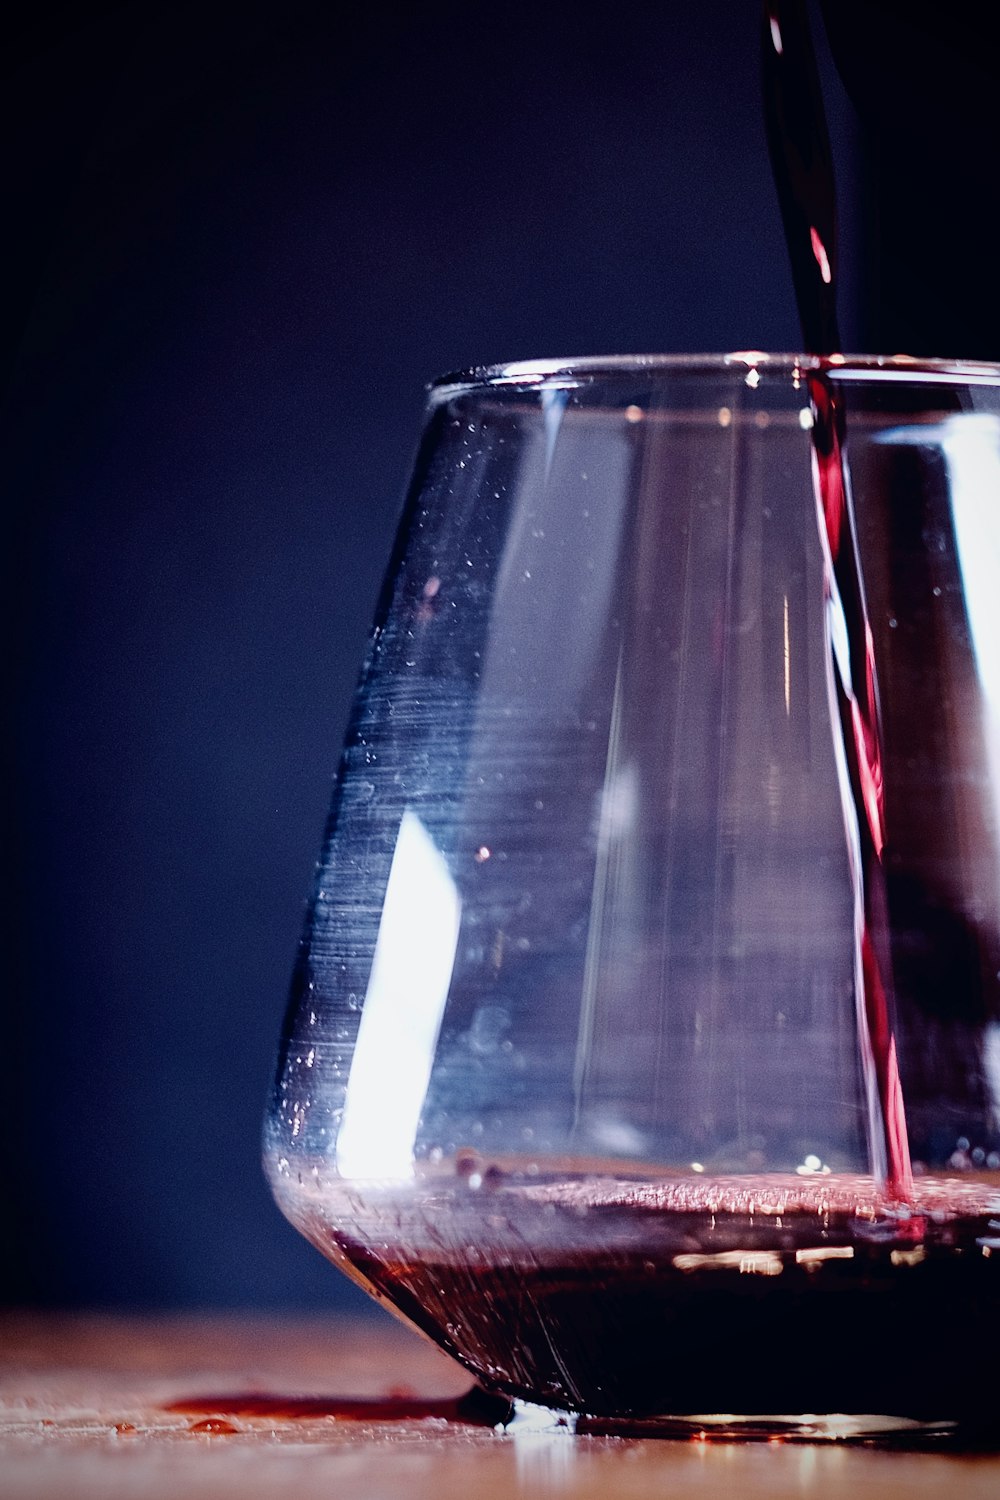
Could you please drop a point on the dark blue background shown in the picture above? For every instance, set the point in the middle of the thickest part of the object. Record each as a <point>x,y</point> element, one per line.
<point>243,239</point>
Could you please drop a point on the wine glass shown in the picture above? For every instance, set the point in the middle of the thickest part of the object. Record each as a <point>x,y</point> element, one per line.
<point>642,1047</point>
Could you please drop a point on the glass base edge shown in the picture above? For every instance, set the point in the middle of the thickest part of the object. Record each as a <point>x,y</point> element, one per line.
<point>867,1428</point>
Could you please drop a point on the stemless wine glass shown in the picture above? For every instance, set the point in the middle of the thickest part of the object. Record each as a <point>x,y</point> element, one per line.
<point>643,1046</point>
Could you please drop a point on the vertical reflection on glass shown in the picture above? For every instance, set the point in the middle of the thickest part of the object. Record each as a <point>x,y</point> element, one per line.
<point>971,446</point>
<point>404,1003</point>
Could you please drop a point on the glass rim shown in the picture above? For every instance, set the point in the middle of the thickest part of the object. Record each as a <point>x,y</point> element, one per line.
<point>586,369</point>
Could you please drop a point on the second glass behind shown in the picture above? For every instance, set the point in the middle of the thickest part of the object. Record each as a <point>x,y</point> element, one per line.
<point>612,1008</point>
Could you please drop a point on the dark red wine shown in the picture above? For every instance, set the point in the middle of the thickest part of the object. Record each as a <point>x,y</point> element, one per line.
<point>634,1299</point>
<point>857,731</point>
<point>799,147</point>
<point>928,959</point>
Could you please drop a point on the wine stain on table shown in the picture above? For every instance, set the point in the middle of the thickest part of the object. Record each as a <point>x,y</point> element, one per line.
<point>476,1408</point>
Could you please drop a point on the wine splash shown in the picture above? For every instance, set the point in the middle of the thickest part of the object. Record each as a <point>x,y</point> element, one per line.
<point>802,163</point>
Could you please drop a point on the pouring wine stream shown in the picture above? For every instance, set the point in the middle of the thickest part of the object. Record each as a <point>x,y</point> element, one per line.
<point>802,164</point>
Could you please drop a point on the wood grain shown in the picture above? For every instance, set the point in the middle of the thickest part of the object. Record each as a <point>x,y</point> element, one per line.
<point>105,1408</point>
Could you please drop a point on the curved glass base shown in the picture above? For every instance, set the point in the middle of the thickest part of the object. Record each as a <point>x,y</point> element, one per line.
<point>866,1428</point>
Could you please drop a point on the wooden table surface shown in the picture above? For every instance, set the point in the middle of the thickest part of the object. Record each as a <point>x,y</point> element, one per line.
<point>207,1409</point>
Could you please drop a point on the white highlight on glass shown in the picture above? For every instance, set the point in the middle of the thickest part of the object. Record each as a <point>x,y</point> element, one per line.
<point>404,1004</point>
<point>786,656</point>
<point>553,407</point>
<point>971,446</point>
